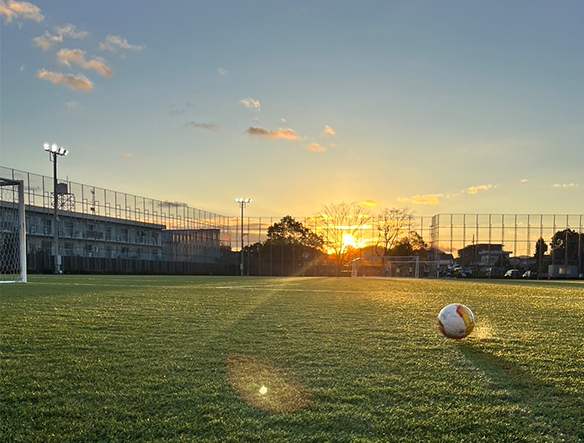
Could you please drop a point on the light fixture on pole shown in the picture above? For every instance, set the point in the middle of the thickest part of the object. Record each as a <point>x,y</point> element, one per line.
<point>54,151</point>
<point>242,202</point>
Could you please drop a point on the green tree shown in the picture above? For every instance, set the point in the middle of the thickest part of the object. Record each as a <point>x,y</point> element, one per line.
<point>291,232</point>
<point>541,248</point>
<point>289,247</point>
<point>391,226</point>
<point>413,244</point>
<point>567,248</point>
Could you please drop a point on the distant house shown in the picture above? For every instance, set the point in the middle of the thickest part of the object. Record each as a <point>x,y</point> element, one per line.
<point>563,271</point>
<point>483,256</point>
<point>443,258</point>
<point>523,262</point>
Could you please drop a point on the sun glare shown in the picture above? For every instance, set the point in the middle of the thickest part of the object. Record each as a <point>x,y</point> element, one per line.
<point>348,240</point>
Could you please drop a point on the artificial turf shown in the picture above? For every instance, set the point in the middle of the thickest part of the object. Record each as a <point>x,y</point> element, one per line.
<point>222,359</point>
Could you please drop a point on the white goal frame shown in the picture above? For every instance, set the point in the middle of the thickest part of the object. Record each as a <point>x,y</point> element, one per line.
<point>394,266</point>
<point>12,232</point>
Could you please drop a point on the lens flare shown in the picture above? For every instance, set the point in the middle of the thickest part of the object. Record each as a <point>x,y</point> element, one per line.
<point>250,378</point>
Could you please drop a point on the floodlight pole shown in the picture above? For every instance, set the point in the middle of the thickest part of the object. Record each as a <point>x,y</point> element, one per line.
<point>54,151</point>
<point>242,203</point>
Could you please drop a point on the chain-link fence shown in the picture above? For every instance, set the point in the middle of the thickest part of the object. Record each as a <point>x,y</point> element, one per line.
<point>101,230</point>
<point>109,231</point>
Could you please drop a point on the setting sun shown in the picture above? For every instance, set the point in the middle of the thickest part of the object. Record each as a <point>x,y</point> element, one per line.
<point>348,240</point>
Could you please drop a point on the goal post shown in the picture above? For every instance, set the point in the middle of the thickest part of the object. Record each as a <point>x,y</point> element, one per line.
<point>394,266</point>
<point>12,232</point>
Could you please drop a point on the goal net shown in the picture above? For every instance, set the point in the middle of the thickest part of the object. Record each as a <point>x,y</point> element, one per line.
<point>12,232</point>
<point>394,266</point>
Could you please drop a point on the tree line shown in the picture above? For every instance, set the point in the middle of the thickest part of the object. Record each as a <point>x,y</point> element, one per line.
<point>337,240</point>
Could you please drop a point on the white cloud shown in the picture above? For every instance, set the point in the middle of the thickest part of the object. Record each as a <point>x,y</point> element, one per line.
<point>422,200</point>
<point>315,147</point>
<point>24,10</point>
<point>207,126</point>
<point>113,43</point>
<point>75,82</point>
<point>73,105</point>
<point>283,121</point>
<point>128,157</point>
<point>69,31</point>
<point>47,40</point>
<point>68,56</point>
<point>329,131</point>
<point>565,185</point>
<point>283,134</point>
<point>524,180</point>
<point>250,103</point>
<point>476,189</point>
<point>223,72</point>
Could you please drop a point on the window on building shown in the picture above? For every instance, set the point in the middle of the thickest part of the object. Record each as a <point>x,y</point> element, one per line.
<point>47,226</point>
<point>68,228</point>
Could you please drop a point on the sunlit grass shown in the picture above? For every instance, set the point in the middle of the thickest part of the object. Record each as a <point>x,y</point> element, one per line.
<point>282,360</point>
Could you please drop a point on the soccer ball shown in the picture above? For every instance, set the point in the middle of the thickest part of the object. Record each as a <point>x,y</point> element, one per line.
<point>456,321</point>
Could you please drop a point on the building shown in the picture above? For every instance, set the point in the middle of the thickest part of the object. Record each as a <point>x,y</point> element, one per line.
<point>108,231</point>
<point>112,232</point>
<point>484,259</point>
<point>192,245</point>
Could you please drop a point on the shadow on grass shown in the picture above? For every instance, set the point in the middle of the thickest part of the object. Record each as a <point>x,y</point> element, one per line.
<point>560,410</point>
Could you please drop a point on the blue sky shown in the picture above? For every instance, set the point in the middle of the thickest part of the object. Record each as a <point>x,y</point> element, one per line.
<point>441,106</point>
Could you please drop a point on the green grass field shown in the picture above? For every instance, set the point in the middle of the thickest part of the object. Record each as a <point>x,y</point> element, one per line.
<point>219,359</point>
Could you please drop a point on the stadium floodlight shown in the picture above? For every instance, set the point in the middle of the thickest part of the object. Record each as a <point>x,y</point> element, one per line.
<point>243,203</point>
<point>54,152</point>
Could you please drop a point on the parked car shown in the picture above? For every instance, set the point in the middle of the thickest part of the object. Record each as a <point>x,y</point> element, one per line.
<point>494,272</point>
<point>512,273</point>
<point>529,274</point>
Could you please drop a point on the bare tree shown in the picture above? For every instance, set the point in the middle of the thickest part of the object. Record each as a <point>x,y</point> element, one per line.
<point>338,222</point>
<point>391,226</point>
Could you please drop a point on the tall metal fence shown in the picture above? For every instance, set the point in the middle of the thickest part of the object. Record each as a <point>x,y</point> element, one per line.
<point>501,241</point>
<point>78,198</point>
<point>447,233</point>
<point>518,233</point>
<point>100,230</point>
<point>192,229</point>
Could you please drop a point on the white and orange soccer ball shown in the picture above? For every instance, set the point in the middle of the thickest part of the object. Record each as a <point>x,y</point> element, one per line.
<point>456,321</point>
